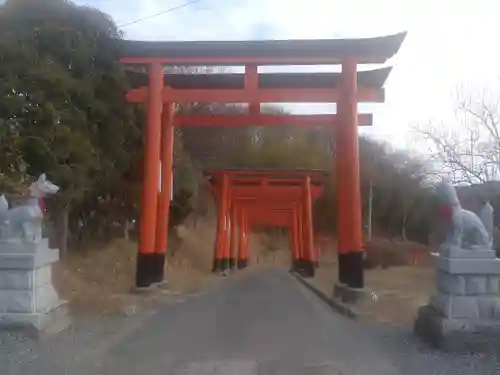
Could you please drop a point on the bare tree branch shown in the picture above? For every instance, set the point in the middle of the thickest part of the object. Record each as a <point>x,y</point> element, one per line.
<point>468,152</point>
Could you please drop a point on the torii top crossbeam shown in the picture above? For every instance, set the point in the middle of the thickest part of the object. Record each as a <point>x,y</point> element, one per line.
<point>266,52</point>
<point>253,87</point>
<point>268,176</point>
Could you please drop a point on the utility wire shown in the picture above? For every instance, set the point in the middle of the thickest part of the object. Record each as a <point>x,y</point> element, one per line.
<point>191,2</point>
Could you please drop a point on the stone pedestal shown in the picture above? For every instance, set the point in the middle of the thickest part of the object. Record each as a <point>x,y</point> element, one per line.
<point>28,299</point>
<point>464,315</point>
<point>348,295</point>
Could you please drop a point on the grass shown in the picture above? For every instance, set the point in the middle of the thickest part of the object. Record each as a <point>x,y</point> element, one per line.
<point>99,281</point>
<point>399,291</point>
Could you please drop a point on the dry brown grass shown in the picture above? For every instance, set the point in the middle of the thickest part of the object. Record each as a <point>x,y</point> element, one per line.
<point>269,251</point>
<point>399,286</point>
<point>400,291</point>
<point>100,281</point>
<point>381,252</point>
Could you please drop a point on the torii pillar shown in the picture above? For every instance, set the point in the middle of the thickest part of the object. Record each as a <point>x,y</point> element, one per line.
<point>349,227</point>
<point>147,258</point>
<point>155,205</point>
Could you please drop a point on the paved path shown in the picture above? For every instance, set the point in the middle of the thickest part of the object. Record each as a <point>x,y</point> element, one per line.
<point>265,323</point>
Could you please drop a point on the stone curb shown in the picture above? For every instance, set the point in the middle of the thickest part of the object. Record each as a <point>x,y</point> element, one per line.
<point>336,305</point>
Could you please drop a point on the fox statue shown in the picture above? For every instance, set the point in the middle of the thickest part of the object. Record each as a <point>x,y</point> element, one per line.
<point>24,222</point>
<point>464,228</point>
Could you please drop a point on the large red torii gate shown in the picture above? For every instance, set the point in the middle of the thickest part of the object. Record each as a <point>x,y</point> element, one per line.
<point>160,91</point>
<point>269,197</point>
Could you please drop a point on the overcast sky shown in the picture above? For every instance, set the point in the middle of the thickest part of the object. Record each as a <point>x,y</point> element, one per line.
<point>449,42</point>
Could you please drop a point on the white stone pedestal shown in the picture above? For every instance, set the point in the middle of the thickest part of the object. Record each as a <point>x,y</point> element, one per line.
<point>28,299</point>
<point>465,312</point>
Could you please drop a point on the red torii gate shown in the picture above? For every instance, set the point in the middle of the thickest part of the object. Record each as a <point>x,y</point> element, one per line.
<point>160,91</point>
<point>282,198</point>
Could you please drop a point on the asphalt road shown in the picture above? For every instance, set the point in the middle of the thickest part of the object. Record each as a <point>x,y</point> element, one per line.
<point>265,323</point>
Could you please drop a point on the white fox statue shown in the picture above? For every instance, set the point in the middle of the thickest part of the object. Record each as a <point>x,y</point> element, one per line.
<point>464,228</point>
<point>24,222</point>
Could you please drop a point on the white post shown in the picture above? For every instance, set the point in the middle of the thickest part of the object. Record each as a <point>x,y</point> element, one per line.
<point>171,184</point>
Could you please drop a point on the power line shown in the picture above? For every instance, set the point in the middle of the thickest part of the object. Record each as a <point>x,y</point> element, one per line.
<point>160,13</point>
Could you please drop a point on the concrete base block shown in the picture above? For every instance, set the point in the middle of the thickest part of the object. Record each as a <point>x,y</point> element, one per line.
<point>39,298</point>
<point>161,284</point>
<point>145,289</point>
<point>469,266</point>
<point>467,284</point>
<point>464,315</point>
<point>28,261</point>
<point>346,294</point>
<point>40,324</point>
<point>25,279</point>
<point>455,252</point>
<point>19,247</point>
<point>467,307</point>
<point>28,299</point>
<point>455,334</point>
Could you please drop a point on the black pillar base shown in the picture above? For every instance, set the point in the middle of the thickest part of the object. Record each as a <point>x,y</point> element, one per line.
<point>347,294</point>
<point>343,268</point>
<point>145,269</point>
<point>305,268</point>
<point>295,265</point>
<point>232,263</point>
<point>299,265</point>
<point>224,264</point>
<point>159,268</point>
<point>242,263</point>
<point>351,269</point>
<point>217,265</point>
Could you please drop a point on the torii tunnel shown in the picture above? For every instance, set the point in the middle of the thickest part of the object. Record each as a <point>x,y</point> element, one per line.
<point>160,92</point>
<point>265,198</point>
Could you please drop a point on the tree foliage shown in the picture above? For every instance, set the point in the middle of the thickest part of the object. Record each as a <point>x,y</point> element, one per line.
<point>63,99</point>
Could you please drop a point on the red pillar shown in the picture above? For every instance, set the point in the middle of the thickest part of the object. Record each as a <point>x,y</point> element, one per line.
<point>349,229</point>
<point>317,253</point>
<point>242,254</point>
<point>233,237</point>
<point>252,84</point>
<point>294,230</point>
<point>146,258</point>
<point>167,155</point>
<point>221,224</point>
<point>215,251</point>
<point>227,239</point>
<point>300,235</point>
<point>308,229</point>
<point>246,232</point>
